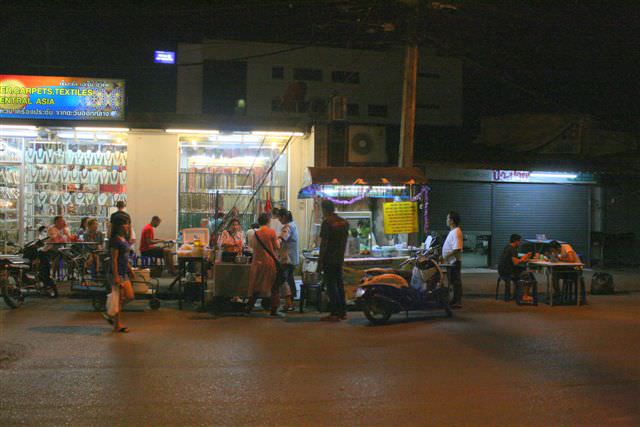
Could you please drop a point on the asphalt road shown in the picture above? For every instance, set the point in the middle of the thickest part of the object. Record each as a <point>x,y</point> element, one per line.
<point>492,364</point>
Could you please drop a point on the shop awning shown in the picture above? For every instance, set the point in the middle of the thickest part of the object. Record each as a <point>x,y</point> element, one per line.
<point>366,176</point>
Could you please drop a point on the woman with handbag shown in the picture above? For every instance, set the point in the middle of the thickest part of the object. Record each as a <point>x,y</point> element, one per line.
<point>263,275</point>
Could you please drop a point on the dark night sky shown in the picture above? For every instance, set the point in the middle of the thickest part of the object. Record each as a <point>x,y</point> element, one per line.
<point>519,56</point>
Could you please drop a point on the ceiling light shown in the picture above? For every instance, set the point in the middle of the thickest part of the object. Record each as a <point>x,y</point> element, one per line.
<point>270,133</point>
<point>100,129</point>
<point>17,127</point>
<point>193,131</point>
<point>553,175</point>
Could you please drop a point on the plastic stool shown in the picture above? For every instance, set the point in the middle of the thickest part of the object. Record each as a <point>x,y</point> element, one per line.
<point>304,291</point>
<point>507,287</point>
<point>520,285</point>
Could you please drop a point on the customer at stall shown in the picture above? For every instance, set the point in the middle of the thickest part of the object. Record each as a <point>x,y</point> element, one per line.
<point>263,275</point>
<point>83,227</point>
<point>251,236</point>
<point>333,242</point>
<point>289,256</point>
<point>231,241</point>
<point>511,265</point>
<point>93,235</point>
<point>275,223</point>
<point>120,268</point>
<point>452,254</point>
<point>58,232</point>
<point>563,252</point>
<point>153,248</point>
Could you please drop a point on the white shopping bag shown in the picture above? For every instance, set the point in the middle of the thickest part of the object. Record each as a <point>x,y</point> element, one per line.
<point>113,301</point>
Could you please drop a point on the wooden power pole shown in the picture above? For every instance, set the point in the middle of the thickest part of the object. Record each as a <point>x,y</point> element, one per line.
<point>408,124</point>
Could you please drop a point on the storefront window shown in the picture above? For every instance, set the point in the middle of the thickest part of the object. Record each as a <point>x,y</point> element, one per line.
<point>10,174</point>
<point>223,172</point>
<point>72,173</point>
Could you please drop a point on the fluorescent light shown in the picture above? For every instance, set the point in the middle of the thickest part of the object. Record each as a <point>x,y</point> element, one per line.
<point>193,131</point>
<point>99,129</point>
<point>18,127</point>
<point>553,175</point>
<point>10,132</point>
<point>270,133</point>
<point>83,135</point>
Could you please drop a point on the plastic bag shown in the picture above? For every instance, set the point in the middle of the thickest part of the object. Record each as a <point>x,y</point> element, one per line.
<point>113,301</point>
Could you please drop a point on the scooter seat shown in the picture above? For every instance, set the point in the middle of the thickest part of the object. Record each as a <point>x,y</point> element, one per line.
<point>405,274</point>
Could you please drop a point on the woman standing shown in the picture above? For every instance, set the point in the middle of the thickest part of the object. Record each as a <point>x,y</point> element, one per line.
<point>231,241</point>
<point>289,257</point>
<point>263,272</point>
<point>119,268</point>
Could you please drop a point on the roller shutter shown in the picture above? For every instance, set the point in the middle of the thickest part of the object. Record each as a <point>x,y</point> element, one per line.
<point>559,211</point>
<point>471,200</point>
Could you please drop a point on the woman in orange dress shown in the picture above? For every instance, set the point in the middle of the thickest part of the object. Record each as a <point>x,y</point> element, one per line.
<point>262,275</point>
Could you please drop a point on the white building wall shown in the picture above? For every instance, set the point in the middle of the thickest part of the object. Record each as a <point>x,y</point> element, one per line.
<point>380,79</point>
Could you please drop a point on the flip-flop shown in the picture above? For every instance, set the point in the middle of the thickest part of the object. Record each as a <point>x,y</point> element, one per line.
<point>124,330</point>
<point>106,317</point>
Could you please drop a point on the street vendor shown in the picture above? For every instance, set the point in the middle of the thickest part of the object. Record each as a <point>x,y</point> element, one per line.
<point>231,241</point>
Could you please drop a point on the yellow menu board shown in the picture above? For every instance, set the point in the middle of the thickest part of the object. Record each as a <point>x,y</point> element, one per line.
<point>400,217</point>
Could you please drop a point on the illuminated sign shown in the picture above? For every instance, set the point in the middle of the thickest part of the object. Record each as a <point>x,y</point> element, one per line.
<point>164,57</point>
<point>400,217</point>
<point>61,98</point>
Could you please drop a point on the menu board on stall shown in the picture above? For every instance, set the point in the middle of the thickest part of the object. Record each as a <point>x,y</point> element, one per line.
<point>61,98</point>
<point>400,217</point>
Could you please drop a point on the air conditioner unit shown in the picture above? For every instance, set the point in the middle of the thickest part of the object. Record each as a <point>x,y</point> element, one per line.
<point>367,144</point>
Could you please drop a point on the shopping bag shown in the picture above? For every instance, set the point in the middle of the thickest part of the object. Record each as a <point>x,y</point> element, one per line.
<point>113,301</point>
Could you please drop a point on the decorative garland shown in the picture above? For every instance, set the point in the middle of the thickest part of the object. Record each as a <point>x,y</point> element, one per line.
<point>424,196</point>
<point>342,202</point>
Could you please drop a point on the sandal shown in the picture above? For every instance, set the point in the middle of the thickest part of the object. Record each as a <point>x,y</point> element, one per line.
<point>124,330</point>
<point>106,317</point>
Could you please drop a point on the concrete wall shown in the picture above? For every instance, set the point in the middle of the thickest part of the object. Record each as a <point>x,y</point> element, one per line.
<point>152,181</point>
<point>300,156</point>
<point>439,88</point>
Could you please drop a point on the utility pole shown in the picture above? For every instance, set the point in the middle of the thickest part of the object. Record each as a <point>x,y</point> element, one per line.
<point>408,123</point>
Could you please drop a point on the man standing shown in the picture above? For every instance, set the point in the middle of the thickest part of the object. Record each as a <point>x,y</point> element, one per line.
<point>120,217</point>
<point>150,246</point>
<point>333,242</point>
<point>511,265</point>
<point>452,254</point>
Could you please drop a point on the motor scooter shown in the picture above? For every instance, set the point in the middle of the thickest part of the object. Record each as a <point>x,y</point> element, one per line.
<point>384,292</point>
<point>20,276</point>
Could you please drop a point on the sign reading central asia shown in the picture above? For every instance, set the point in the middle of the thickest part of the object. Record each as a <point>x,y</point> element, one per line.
<point>400,217</point>
<point>61,98</point>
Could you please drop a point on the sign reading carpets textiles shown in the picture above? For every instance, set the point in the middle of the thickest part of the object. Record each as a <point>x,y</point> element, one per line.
<point>61,98</point>
<point>400,217</point>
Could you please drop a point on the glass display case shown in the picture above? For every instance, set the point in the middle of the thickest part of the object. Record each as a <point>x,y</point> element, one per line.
<point>221,172</point>
<point>10,180</point>
<point>75,174</point>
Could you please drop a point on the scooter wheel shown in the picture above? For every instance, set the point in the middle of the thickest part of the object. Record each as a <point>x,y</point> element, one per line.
<point>377,313</point>
<point>154,304</point>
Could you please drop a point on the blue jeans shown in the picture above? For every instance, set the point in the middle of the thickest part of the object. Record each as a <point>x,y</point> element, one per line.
<point>335,289</point>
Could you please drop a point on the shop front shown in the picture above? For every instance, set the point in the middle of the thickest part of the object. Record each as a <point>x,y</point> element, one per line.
<point>50,165</point>
<point>382,207</point>
<point>494,204</point>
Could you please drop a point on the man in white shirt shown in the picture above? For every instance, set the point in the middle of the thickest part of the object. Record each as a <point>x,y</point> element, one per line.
<point>275,223</point>
<point>452,254</point>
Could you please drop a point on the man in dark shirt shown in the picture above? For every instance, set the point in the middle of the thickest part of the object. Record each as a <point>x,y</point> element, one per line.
<point>333,241</point>
<point>511,265</point>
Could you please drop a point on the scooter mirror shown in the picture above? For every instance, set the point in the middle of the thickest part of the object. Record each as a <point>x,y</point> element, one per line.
<point>427,242</point>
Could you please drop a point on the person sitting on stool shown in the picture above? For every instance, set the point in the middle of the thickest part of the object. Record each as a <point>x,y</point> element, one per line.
<point>152,247</point>
<point>511,265</point>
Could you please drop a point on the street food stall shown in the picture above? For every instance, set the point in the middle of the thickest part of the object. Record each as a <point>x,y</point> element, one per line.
<point>382,206</point>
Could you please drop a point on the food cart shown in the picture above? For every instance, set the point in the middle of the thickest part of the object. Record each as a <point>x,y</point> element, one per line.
<point>382,206</point>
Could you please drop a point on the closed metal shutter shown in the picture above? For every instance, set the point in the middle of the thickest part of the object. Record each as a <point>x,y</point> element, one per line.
<point>559,211</point>
<point>472,200</point>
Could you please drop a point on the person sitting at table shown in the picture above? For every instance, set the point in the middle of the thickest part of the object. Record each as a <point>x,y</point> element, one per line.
<point>231,241</point>
<point>511,265</point>
<point>563,252</point>
<point>93,235</point>
<point>152,247</point>
<point>58,232</point>
<point>83,227</point>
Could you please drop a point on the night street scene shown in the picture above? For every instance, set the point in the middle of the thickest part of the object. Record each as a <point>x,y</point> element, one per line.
<point>320,213</point>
